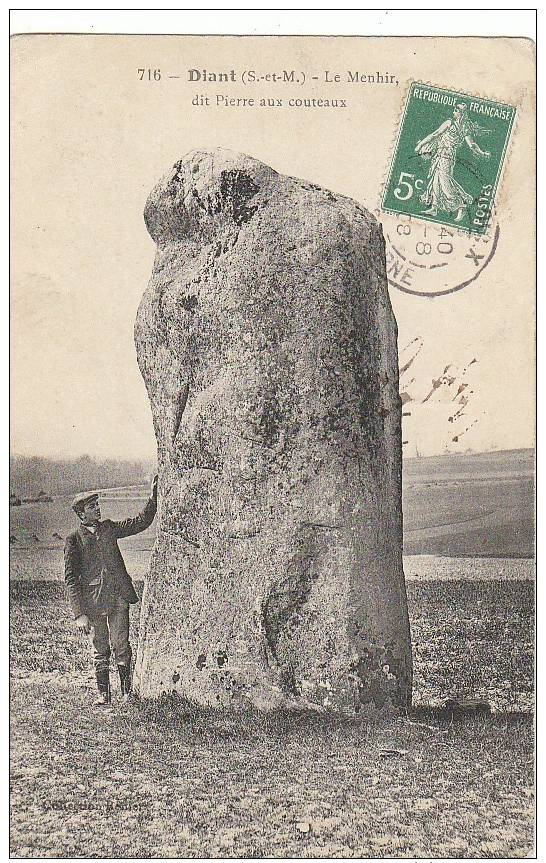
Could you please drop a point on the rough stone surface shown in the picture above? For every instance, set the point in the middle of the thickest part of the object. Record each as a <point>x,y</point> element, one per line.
<point>267,344</point>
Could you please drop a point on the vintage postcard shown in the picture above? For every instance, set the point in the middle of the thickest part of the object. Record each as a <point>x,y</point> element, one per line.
<point>272,446</point>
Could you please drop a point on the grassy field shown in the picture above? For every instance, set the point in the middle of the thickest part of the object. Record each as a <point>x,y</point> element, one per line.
<point>470,505</point>
<point>166,779</point>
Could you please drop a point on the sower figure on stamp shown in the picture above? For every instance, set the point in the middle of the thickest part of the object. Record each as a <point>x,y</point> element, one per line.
<point>99,588</point>
<point>443,192</point>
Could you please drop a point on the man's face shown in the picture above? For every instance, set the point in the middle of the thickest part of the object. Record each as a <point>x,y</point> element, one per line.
<point>90,514</point>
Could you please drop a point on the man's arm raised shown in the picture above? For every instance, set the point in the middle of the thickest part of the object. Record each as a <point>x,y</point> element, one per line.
<point>140,522</point>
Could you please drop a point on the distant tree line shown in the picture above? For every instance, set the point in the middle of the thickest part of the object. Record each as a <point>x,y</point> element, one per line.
<point>31,475</point>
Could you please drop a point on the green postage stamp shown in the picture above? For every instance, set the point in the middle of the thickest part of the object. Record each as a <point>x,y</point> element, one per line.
<point>448,158</point>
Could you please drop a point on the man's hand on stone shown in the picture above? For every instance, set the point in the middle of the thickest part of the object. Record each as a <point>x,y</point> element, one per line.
<point>154,487</point>
<point>82,622</point>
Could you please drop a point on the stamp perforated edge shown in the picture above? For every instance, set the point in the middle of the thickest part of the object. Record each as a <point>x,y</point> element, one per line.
<point>491,228</point>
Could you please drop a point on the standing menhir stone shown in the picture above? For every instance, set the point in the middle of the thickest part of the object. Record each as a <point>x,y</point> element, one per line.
<point>268,346</point>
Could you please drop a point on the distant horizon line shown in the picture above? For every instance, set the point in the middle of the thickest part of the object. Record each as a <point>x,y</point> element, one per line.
<point>153,458</point>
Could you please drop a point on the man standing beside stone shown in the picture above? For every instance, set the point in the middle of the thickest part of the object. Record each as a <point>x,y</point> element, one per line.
<point>99,587</point>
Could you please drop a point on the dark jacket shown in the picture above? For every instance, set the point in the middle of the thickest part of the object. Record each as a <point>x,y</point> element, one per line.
<point>94,571</point>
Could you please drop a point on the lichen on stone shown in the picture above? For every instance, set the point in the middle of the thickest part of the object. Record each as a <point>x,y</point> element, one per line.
<point>267,344</point>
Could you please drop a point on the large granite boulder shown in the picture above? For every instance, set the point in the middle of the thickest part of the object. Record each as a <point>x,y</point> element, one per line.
<point>267,343</point>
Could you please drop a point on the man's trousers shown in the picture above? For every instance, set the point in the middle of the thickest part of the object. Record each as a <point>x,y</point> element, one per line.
<point>111,632</point>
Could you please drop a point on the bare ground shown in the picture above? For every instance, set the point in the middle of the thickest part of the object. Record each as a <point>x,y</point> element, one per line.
<point>171,780</point>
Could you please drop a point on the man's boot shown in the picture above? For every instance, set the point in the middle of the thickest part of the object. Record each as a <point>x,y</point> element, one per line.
<point>125,680</point>
<point>103,686</point>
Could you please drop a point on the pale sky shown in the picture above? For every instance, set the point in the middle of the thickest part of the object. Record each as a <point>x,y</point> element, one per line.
<point>89,141</point>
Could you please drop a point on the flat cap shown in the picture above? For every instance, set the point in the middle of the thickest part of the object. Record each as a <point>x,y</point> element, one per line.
<point>84,497</point>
